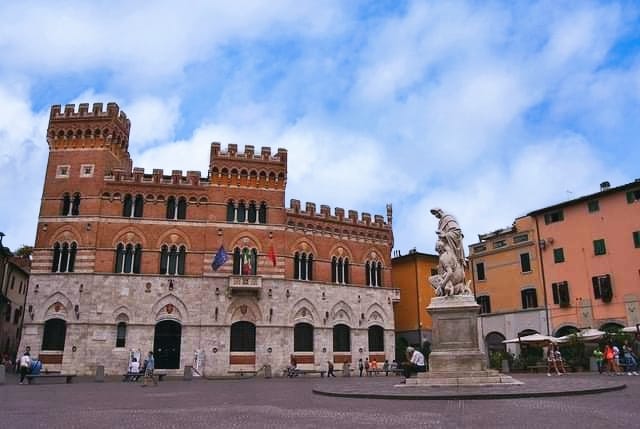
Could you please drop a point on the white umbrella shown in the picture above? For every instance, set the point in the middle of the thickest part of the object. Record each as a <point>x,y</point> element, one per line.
<point>586,335</point>
<point>533,339</point>
<point>631,329</point>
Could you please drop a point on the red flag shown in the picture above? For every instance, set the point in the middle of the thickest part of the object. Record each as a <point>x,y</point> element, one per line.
<point>272,255</point>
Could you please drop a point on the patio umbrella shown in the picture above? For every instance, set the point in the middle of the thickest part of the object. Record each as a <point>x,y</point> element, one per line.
<point>533,339</point>
<point>632,329</point>
<point>586,335</point>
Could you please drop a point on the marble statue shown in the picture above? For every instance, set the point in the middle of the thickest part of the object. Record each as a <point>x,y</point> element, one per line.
<point>450,279</point>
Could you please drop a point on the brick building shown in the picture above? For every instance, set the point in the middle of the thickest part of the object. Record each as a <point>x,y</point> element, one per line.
<point>14,280</point>
<point>123,261</point>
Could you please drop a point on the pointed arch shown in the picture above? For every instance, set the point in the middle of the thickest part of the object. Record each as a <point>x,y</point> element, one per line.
<point>341,249</point>
<point>305,245</point>
<point>304,311</point>
<point>129,234</point>
<point>173,236</point>
<point>243,309</point>
<point>66,233</point>
<point>376,315</point>
<point>50,310</point>
<point>178,310</point>
<point>342,313</point>
<point>237,240</point>
<point>120,311</point>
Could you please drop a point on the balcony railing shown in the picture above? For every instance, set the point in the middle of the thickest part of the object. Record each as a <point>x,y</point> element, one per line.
<point>248,283</point>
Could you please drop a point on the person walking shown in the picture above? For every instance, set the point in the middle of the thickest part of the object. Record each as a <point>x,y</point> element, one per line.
<point>25,365</point>
<point>330,369</point>
<point>551,360</point>
<point>599,357</point>
<point>360,366</point>
<point>148,372</point>
<point>385,367</point>
<point>367,366</point>
<point>629,358</point>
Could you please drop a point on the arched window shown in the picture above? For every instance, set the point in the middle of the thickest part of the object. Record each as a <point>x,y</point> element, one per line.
<point>164,259</point>
<point>373,273</point>
<point>55,332</point>
<point>182,255</point>
<point>242,212</point>
<point>245,261</point>
<point>139,205</point>
<point>231,211</point>
<point>303,266</point>
<point>128,258</point>
<point>121,334</point>
<point>341,338</point>
<point>127,206</point>
<point>262,213</point>
<point>340,270</point>
<point>171,208</point>
<point>303,337</point>
<point>376,339</point>
<point>172,260</point>
<point>75,206</point>
<point>64,257</point>
<point>182,208</point>
<point>65,210</point>
<point>243,337</point>
<point>252,214</point>
<point>495,343</point>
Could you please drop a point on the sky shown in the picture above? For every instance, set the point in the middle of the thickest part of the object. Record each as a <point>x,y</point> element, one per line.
<point>488,110</point>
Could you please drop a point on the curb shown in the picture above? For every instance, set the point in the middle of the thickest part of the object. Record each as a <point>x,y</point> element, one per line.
<point>483,396</point>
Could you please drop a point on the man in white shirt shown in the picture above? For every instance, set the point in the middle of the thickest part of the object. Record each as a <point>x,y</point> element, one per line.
<point>416,362</point>
<point>25,365</point>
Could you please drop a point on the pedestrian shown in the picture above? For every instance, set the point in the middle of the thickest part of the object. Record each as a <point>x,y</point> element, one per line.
<point>609,359</point>
<point>330,369</point>
<point>415,364</point>
<point>367,366</point>
<point>551,361</point>
<point>374,366</point>
<point>292,368</point>
<point>630,360</point>
<point>150,365</point>
<point>616,359</point>
<point>360,366</point>
<point>599,356</point>
<point>385,367</point>
<point>25,365</point>
<point>559,361</point>
<point>133,372</point>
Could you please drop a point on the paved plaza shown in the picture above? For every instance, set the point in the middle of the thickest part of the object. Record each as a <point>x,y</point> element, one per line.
<point>290,403</point>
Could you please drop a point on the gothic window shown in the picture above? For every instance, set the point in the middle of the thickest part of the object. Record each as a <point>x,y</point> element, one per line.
<point>340,270</point>
<point>262,213</point>
<point>171,208</point>
<point>376,339</point>
<point>373,273</point>
<point>303,337</point>
<point>55,331</point>
<point>64,257</point>
<point>242,212</point>
<point>182,208</point>
<point>127,206</point>
<point>75,205</point>
<point>251,217</point>
<point>65,210</point>
<point>128,258</point>
<point>121,334</point>
<point>138,206</point>
<point>341,338</point>
<point>243,337</point>
<point>245,261</point>
<point>231,211</point>
<point>176,209</point>
<point>172,259</point>
<point>303,266</point>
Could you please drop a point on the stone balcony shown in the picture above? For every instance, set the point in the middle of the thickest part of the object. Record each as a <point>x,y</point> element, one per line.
<point>245,284</point>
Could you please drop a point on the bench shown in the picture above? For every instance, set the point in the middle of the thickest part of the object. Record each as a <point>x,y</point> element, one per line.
<point>396,371</point>
<point>537,366</point>
<point>322,372</point>
<point>242,372</point>
<point>31,378</point>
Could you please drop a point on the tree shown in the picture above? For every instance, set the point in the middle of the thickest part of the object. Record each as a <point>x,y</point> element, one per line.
<point>24,251</point>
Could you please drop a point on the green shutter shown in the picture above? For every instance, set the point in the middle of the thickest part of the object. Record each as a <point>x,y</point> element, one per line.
<point>636,239</point>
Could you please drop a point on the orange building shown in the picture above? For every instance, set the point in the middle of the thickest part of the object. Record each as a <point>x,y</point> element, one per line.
<point>508,283</point>
<point>410,273</point>
<point>591,258</point>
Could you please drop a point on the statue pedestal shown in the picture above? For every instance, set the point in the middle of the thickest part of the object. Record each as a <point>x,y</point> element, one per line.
<point>456,358</point>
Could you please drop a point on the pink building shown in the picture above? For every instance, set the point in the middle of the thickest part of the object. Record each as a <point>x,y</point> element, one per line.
<point>590,255</point>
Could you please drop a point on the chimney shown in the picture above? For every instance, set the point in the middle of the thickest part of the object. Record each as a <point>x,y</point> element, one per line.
<point>604,186</point>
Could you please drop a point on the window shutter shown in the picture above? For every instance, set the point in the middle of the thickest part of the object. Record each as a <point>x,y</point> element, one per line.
<point>523,297</point>
<point>563,290</point>
<point>556,294</point>
<point>607,292</point>
<point>596,287</point>
<point>630,198</point>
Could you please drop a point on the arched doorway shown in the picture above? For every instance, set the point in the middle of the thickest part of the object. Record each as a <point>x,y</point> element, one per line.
<point>166,344</point>
<point>495,343</point>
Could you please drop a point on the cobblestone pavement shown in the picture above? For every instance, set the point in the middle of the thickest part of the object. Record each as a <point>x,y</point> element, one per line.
<point>290,403</point>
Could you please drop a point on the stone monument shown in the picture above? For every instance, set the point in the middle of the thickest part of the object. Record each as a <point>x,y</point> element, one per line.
<point>456,357</point>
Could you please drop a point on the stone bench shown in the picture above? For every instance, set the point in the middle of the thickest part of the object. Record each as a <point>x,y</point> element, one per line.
<point>242,372</point>
<point>31,378</point>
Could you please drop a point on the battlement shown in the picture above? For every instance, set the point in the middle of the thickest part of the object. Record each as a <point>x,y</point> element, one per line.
<point>338,216</point>
<point>249,153</point>
<point>157,177</point>
<point>82,128</point>
<point>112,113</point>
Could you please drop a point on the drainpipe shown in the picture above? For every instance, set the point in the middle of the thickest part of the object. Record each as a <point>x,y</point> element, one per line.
<point>415,257</point>
<point>544,282</point>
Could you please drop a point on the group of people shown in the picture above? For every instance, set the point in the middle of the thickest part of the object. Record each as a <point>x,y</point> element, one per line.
<point>611,359</point>
<point>369,367</point>
<point>555,362</point>
<point>135,371</point>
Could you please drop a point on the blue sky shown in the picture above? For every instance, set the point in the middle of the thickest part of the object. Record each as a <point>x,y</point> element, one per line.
<point>486,109</point>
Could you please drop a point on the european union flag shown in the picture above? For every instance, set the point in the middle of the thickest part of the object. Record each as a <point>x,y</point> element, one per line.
<point>220,258</point>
